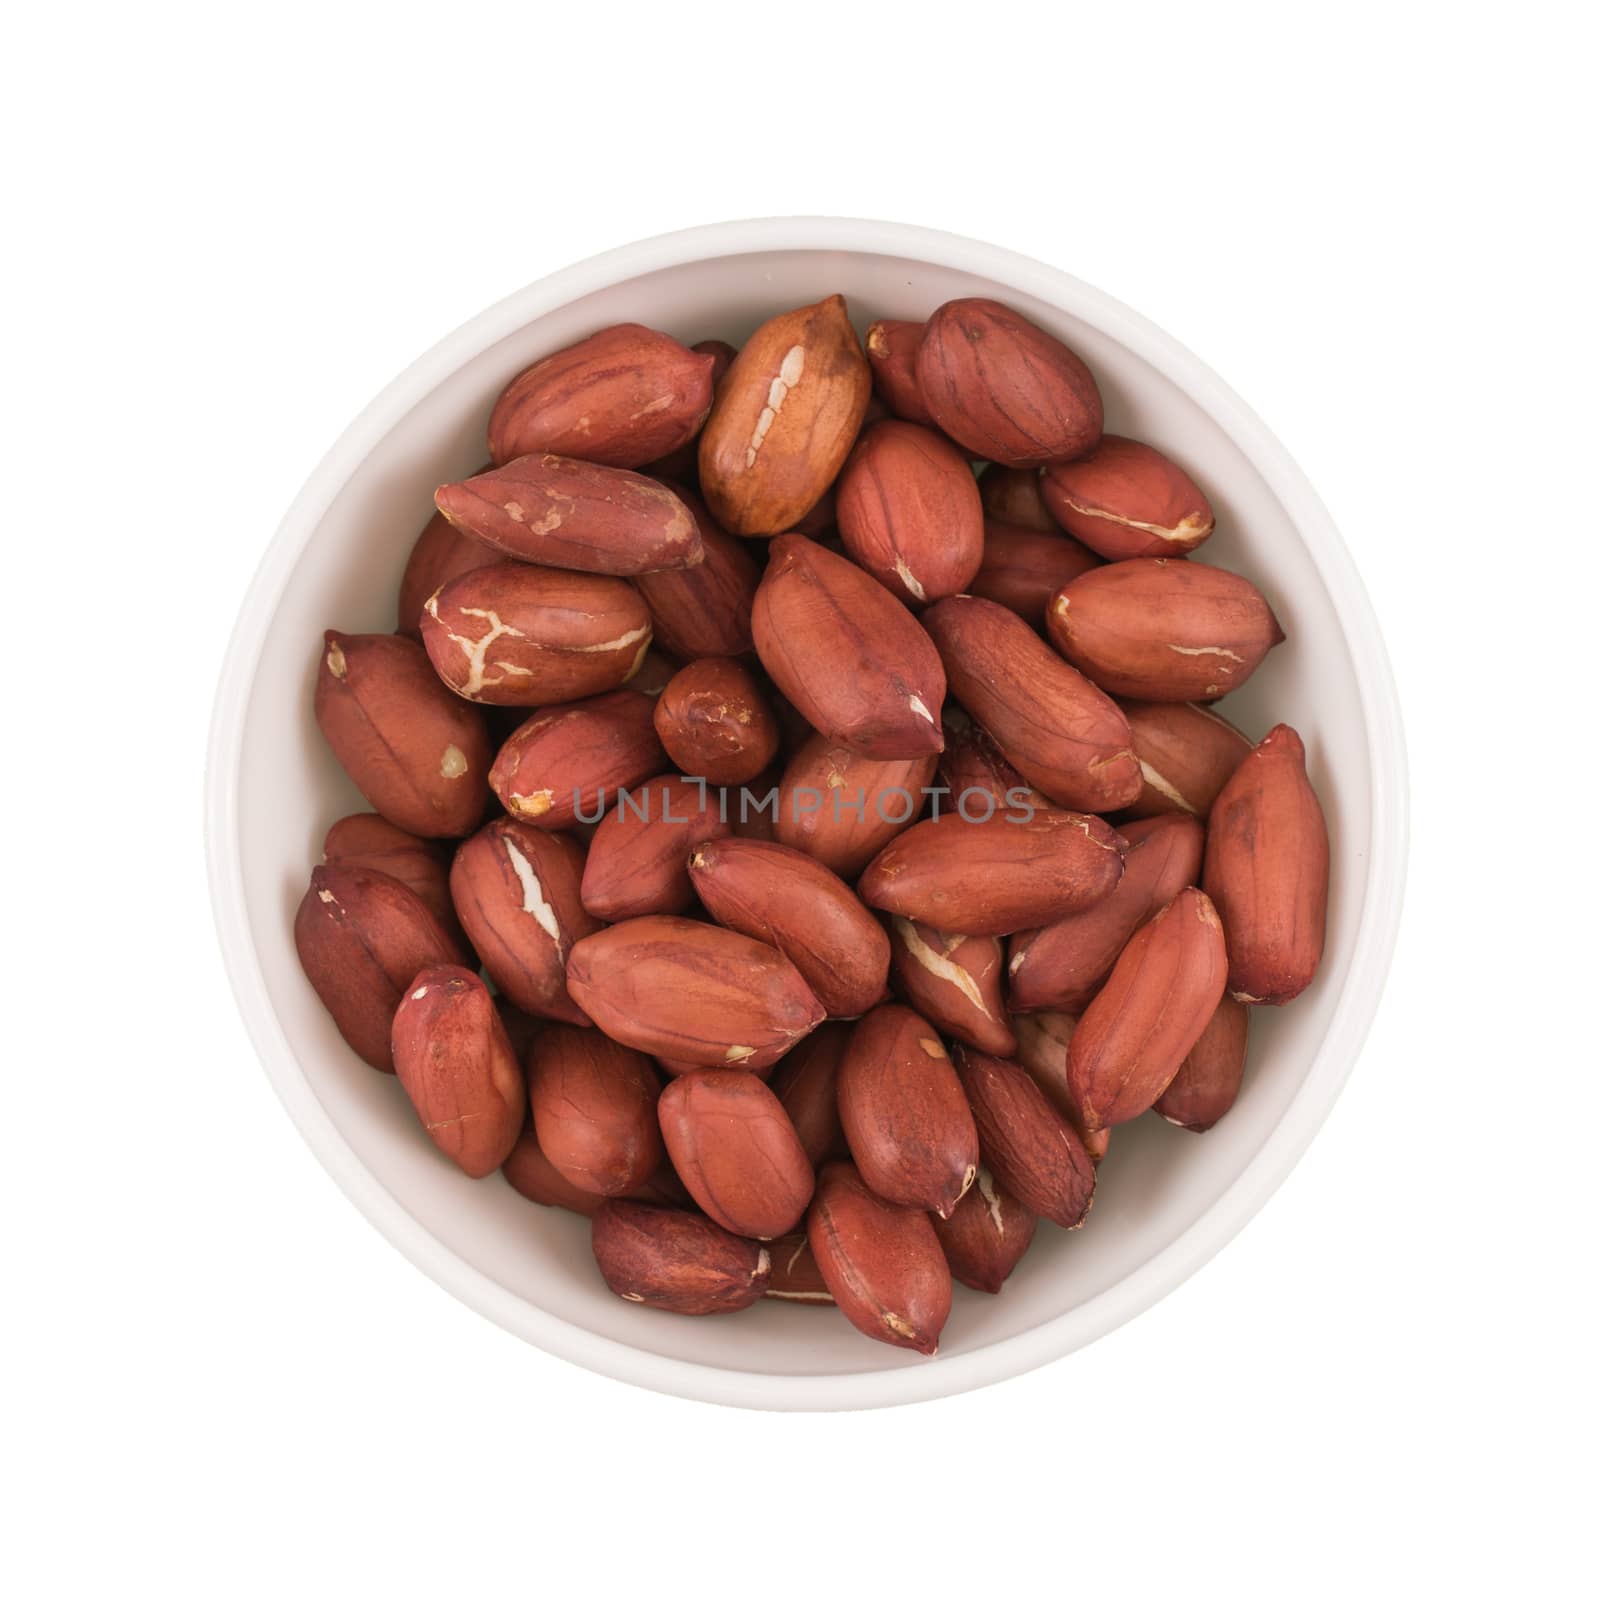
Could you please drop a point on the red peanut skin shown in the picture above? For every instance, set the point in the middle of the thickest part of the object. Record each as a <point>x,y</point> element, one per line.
<point>559,512</point>
<point>559,621</point>
<point>458,1069</point>
<point>623,397</point>
<point>564,758</point>
<point>1125,499</point>
<point>752,808</point>
<point>847,654</point>
<point>519,951</point>
<point>1013,496</point>
<point>418,754</point>
<point>1061,733</point>
<point>955,980</point>
<point>881,1263</point>
<point>732,1144</point>
<point>722,356</point>
<point>1043,1040</point>
<point>1267,870</point>
<point>892,356</point>
<point>806,1084</point>
<point>1208,1082</point>
<point>639,863</point>
<point>1186,753</point>
<point>1029,1145</point>
<point>763,467</point>
<point>784,898</point>
<point>683,464</point>
<point>986,1235</point>
<point>529,1171</point>
<point>1133,1037</point>
<point>972,765</point>
<point>1059,967</point>
<point>796,1278</point>
<point>697,993</point>
<point>995,876</point>
<point>714,722</point>
<point>1154,629</point>
<point>521,1027</point>
<point>1004,388</point>
<point>655,672</point>
<point>909,512</point>
<point>442,552</point>
<point>704,610</point>
<point>676,1260</point>
<point>362,936</point>
<point>904,1115</point>
<point>364,839</point>
<point>1023,570</point>
<point>841,781</point>
<point>594,1109</point>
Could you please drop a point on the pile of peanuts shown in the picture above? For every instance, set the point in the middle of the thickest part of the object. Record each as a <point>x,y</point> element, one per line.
<point>801,830</point>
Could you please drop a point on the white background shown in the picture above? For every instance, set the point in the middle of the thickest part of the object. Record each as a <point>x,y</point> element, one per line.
<point>230,226</point>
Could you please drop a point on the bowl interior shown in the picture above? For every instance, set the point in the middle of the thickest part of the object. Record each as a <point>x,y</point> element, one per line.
<point>1158,1180</point>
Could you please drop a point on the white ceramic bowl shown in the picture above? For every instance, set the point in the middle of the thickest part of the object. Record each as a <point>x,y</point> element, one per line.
<point>1167,1199</point>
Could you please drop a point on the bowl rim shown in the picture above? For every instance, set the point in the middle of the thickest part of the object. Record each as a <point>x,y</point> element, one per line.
<point>1204,1237</point>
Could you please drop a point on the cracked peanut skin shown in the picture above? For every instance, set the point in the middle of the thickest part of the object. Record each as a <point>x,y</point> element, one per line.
<point>361,937</point>
<point>1267,870</point>
<point>909,512</point>
<point>594,1109</point>
<point>905,1118</point>
<point>796,1278</point>
<point>1158,629</point>
<point>517,892</point>
<point>1135,1033</point>
<point>512,634</point>
<point>1003,388</point>
<point>557,512</point>
<point>458,1069</point>
<point>849,657</point>
<point>1125,499</point>
<point>785,416</point>
<point>1063,734</point>
<point>732,1143</point>
<point>996,876</point>
<point>676,1260</point>
<point>986,1235</point>
<point>1186,754</point>
<point>955,980</point>
<point>698,994</point>
<point>881,1263</point>
<point>1043,1039</point>
<point>1028,1143</point>
<point>623,397</point>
